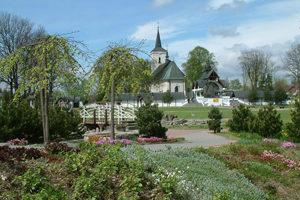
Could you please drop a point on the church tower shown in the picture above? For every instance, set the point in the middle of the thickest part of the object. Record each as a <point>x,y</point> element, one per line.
<point>159,55</point>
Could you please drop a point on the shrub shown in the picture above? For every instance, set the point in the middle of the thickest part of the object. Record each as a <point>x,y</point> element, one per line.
<point>167,97</point>
<point>62,123</point>
<point>242,118</point>
<point>19,120</point>
<point>268,122</point>
<point>148,118</point>
<point>293,128</point>
<point>215,117</point>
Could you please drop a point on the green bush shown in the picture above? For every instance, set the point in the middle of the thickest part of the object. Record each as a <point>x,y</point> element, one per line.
<point>267,123</point>
<point>148,118</point>
<point>62,123</point>
<point>242,118</point>
<point>19,120</point>
<point>293,128</point>
<point>215,117</point>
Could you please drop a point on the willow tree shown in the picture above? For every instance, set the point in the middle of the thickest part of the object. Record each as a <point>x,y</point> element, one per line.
<point>117,70</point>
<point>48,60</point>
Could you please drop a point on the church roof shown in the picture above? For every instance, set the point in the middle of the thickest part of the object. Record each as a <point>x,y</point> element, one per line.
<point>168,71</point>
<point>158,46</point>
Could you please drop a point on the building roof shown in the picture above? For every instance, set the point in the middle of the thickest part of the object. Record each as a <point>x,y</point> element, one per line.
<point>206,76</point>
<point>168,71</point>
<point>158,46</point>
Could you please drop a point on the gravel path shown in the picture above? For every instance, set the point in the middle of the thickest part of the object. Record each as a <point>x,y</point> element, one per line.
<point>193,138</point>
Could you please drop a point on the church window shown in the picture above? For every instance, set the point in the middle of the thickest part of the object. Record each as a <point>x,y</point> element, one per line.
<point>159,60</point>
<point>176,89</point>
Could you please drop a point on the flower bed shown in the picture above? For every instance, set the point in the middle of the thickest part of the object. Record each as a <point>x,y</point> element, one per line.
<point>110,141</point>
<point>271,156</point>
<point>18,141</point>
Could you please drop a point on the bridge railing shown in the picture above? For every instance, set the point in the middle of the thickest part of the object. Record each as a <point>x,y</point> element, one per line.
<point>102,113</point>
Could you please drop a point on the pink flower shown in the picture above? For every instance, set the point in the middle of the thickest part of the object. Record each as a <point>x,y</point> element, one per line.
<point>288,145</point>
<point>269,155</point>
<point>149,140</point>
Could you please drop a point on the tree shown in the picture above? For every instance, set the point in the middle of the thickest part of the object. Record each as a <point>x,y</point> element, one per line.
<point>215,117</point>
<point>15,32</point>
<point>149,121</point>
<point>199,60</point>
<point>167,97</point>
<point>280,93</point>
<point>256,66</point>
<point>235,84</point>
<point>53,56</point>
<point>292,63</point>
<point>119,69</point>
<point>293,127</point>
<point>267,122</point>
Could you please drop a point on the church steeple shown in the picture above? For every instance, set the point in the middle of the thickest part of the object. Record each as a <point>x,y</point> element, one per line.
<point>158,41</point>
<point>158,46</point>
<point>159,55</point>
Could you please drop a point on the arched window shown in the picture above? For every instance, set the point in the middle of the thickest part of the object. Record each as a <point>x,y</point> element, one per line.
<point>159,60</point>
<point>176,88</point>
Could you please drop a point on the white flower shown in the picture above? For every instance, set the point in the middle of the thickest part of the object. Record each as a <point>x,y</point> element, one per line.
<point>3,177</point>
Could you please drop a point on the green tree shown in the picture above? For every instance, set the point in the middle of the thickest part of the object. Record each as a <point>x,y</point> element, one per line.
<point>280,94</point>
<point>267,122</point>
<point>167,97</point>
<point>293,127</point>
<point>215,117</point>
<point>149,121</point>
<point>15,32</point>
<point>119,69</point>
<point>48,60</point>
<point>199,60</point>
<point>235,84</point>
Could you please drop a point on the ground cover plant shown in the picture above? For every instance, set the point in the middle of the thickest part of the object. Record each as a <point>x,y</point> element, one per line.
<point>271,164</point>
<point>206,177</point>
<point>90,172</point>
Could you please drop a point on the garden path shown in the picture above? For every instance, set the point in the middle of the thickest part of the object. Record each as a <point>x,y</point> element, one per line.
<point>193,138</point>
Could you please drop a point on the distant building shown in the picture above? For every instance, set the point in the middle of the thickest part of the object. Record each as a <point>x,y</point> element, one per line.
<point>166,73</point>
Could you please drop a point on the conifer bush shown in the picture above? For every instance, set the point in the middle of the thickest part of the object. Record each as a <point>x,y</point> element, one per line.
<point>148,118</point>
<point>242,118</point>
<point>215,117</point>
<point>267,123</point>
<point>293,128</point>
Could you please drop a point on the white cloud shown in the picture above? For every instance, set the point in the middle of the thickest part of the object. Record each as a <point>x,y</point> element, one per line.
<point>218,4</point>
<point>275,35</point>
<point>159,3</point>
<point>167,29</point>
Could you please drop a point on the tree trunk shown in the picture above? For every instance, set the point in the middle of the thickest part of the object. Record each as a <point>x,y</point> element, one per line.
<point>44,112</point>
<point>112,111</point>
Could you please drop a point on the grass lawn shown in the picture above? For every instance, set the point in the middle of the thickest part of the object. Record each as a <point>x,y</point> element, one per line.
<point>271,175</point>
<point>199,112</point>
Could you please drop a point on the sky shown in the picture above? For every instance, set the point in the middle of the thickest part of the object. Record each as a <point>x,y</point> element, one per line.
<point>224,27</point>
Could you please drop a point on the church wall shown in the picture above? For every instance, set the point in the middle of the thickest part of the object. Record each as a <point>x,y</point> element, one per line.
<point>179,84</point>
<point>162,87</point>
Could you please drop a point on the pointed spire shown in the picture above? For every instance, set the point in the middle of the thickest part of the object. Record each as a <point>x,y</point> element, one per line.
<point>158,41</point>
<point>158,46</point>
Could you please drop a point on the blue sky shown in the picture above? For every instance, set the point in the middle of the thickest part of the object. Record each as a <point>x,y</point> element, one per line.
<point>224,27</point>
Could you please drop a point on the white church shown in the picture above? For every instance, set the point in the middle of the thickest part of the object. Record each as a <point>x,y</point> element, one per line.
<point>166,73</point>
